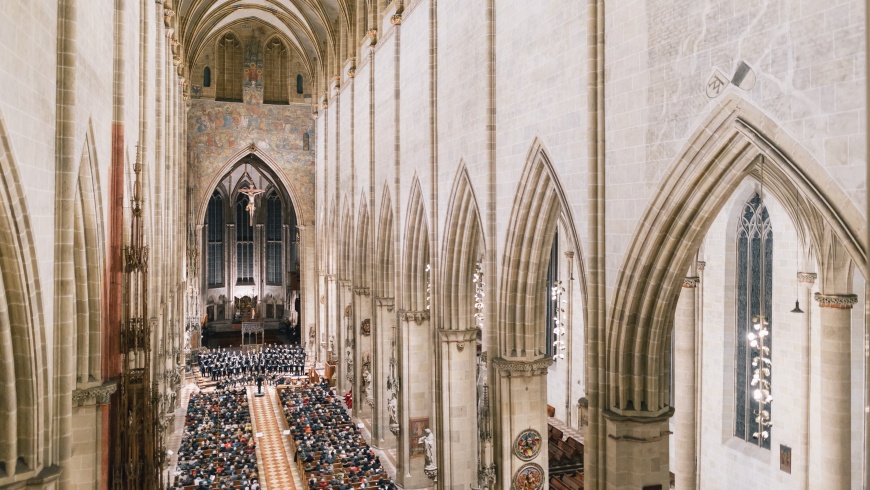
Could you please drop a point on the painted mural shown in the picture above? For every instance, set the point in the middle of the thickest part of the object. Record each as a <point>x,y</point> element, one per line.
<point>218,130</point>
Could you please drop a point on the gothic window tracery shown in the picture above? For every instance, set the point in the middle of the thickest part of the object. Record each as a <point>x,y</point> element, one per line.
<point>215,224</point>
<point>229,66</point>
<point>244,243</point>
<point>754,271</point>
<point>274,230</point>
<point>275,86</point>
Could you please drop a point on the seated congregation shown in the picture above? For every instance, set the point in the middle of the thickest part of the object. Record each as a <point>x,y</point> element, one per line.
<point>217,446</point>
<point>329,449</point>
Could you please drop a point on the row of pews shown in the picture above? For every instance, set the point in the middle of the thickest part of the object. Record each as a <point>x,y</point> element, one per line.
<point>327,404</point>
<point>565,460</point>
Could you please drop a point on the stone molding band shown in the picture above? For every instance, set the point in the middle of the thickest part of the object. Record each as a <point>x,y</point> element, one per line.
<point>360,291</point>
<point>807,277</point>
<point>691,282</point>
<point>97,395</point>
<point>416,316</point>
<point>836,301</point>
<point>509,368</point>
<point>460,337</point>
<point>640,417</point>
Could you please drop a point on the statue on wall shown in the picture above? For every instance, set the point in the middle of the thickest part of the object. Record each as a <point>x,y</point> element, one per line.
<point>484,430</point>
<point>348,355</point>
<point>428,442</point>
<point>393,411</point>
<point>367,383</point>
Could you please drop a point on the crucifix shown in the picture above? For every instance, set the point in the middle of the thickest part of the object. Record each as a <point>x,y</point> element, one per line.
<point>252,192</point>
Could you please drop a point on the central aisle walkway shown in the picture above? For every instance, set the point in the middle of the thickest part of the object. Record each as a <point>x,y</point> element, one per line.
<point>275,467</point>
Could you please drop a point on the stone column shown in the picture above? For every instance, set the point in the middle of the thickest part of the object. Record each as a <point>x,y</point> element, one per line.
<point>636,450</point>
<point>456,402</point>
<point>384,336</point>
<point>416,352</point>
<point>835,369</point>
<point>685,387</point>
<point>805,296</point>
<point>519,403</point>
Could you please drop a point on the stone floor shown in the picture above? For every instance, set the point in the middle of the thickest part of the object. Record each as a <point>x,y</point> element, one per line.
<point>276,470</point>
<point>567,431</point>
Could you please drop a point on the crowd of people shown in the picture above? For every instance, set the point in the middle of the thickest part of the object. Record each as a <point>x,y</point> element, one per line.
<point>217,445</point>
<point>329,448</point>
<point>232,368</point>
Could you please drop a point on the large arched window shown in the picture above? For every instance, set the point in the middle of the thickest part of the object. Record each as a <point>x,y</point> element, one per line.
<point>215,226</point>
<point>754,287</point>
<point>244,243</point>
<point>229,66</point>
<point>275,88</point>
<point>274,231</point>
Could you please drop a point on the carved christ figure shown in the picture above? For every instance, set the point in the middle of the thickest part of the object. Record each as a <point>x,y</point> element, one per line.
<point>252,192</point>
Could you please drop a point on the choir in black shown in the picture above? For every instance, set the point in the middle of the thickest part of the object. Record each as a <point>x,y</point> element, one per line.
<point>329,448</point>
<point>234,368</point>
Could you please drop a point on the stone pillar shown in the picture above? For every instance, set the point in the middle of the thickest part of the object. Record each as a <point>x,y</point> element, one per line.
<point>416,352</point>
<point>636,451</point>
<point>685,387</point>
<point>519,401</point>
<point>835,315</point>
<point>805,296</point>
<point>384,336</point>
<point>457,395</point>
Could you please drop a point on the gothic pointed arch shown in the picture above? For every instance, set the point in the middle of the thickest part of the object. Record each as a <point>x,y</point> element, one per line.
<point>385,268</point>
<point>729,147</point>
<point>539,206</point>
<point>416,253</point>
<point>345,234</point>
<point>23,373</point>
<point>463,246</point>
<point>362,275</point>
<point>269,165</point>
<point>88,241</point>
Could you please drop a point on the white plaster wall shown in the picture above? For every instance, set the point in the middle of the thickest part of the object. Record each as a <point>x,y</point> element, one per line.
<point>385,130</point>
<point>721,452</point>
<point>28,75</point>
<point>808,58</point>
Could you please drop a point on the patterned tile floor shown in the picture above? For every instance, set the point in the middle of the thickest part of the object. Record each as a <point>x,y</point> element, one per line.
<point>275,469</point>
<point>567,431</point>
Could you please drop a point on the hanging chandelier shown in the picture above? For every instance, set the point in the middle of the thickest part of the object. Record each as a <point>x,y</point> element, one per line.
<point>428,287</point>
<point>559,321</point>
<point>761,364</point>
<point>478,293</point>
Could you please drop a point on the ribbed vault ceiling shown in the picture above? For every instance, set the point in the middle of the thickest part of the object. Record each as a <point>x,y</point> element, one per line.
<point>309,25</point>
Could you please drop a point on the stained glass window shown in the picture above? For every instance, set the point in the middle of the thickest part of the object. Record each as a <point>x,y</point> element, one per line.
<point>244,243</point>
<point>754,271</point>
<point>215,252</point>
<point>273,239</point>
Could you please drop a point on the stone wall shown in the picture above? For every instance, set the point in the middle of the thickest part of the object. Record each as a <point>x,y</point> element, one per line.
<point>218,131</point>
<point>439,94</point>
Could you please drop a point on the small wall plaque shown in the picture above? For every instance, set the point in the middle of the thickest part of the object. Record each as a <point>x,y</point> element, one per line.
<point>785,458</point>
